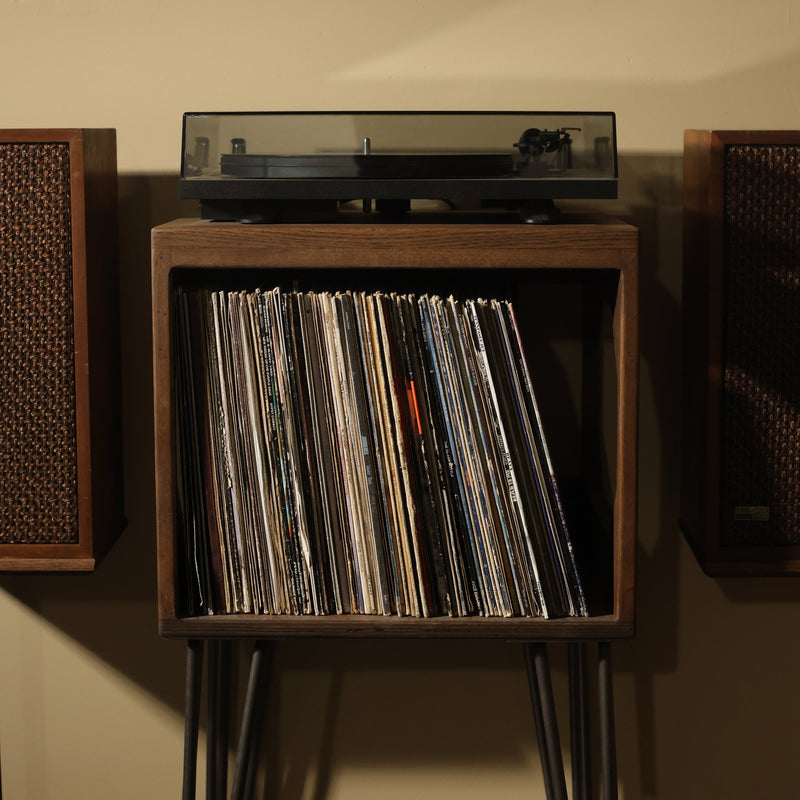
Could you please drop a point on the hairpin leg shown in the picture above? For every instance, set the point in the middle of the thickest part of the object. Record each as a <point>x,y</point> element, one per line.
<point>194,678</point>
<point>218,719</point>
<point>546,722</point>
<point>536,702</point>
<point>608,749</point>
<point>252,717</point>
<point>258,726</point>
<point>212,733</point>
<point>580,739</point>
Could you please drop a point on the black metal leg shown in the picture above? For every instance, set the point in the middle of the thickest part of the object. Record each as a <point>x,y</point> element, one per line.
<point>546,721</point>
<point>536,702</point>
<point>258,726</point>
<point>218,719</point>
<point>608,747</point>
<point>224,721</point>
<point>580,735</point>
<point>212,733</point>
<point>542,668</point>
<point>252,717</point>
<point>194,679</point>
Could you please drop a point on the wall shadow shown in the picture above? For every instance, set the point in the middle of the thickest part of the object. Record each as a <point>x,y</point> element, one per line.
<point>350,687</point>
<point>112,612</point>
<point>651,199</point>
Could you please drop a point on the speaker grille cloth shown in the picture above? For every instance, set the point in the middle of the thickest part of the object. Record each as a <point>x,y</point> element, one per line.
<point>38,452</point>
<point>761,286</point>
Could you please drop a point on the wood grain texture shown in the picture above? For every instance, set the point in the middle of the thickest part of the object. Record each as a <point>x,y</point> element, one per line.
<point>352,625</point>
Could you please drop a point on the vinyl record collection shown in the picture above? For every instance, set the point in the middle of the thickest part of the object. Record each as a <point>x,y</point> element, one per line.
<point>363,453</point>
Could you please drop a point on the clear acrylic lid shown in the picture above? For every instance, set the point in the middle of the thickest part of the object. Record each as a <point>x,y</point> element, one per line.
<point>573,143</point>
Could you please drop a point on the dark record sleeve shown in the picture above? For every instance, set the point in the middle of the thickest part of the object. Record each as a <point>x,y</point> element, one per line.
<point>364,458</point>
<point>328,521</point>
<point>445,491</point>
<point>198,577</point>
<point>371,356</point>
<point>542,459</point>
<point>418,545</point>
<point>499,518</point>
<point>310,478</point>
<point>425,474</point>
<point>457,491</point>
<point>528,491</point>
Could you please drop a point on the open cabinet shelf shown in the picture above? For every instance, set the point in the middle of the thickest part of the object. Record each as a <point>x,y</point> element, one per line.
<point>574,289</point>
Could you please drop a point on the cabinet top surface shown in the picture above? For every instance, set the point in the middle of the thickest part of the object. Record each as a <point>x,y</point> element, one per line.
<point>571,224</point>
<point>604,243</point>
<point>601,234</point>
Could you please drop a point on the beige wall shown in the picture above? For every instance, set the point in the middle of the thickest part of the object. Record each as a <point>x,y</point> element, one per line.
<point>707,694</point>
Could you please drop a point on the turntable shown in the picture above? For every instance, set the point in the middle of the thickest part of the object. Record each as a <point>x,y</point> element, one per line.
<point>276,166</point>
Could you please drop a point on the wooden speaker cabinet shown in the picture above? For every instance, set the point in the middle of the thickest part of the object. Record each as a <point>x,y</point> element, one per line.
<point>60,431</point>
<point>740,503</point>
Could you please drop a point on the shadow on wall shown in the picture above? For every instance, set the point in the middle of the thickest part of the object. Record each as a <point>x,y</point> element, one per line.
<point>354,687</point>
<point>651,189</point>
<point>113,611</point>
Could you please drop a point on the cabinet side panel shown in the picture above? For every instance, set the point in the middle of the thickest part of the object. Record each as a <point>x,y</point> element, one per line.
<point>698,405</point>
<point>626,336</point>
<point>103,415</point>
<point>164,443</point>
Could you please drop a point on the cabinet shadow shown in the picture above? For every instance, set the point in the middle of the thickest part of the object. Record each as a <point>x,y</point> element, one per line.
<point>459,702</point>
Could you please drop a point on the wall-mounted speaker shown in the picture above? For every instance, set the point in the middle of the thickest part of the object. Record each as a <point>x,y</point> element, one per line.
<point>740,498</point>
<point>60,419</point>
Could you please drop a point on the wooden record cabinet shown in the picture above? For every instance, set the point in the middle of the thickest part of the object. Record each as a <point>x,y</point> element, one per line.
<point>575,285</point>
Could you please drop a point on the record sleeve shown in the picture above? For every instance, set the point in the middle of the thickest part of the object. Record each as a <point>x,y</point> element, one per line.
<point>484,598</point>
<point>193,530</point>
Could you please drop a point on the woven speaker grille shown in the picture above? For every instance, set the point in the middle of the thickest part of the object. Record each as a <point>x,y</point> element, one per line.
<point>761,285</point>
<point>38,452</point>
